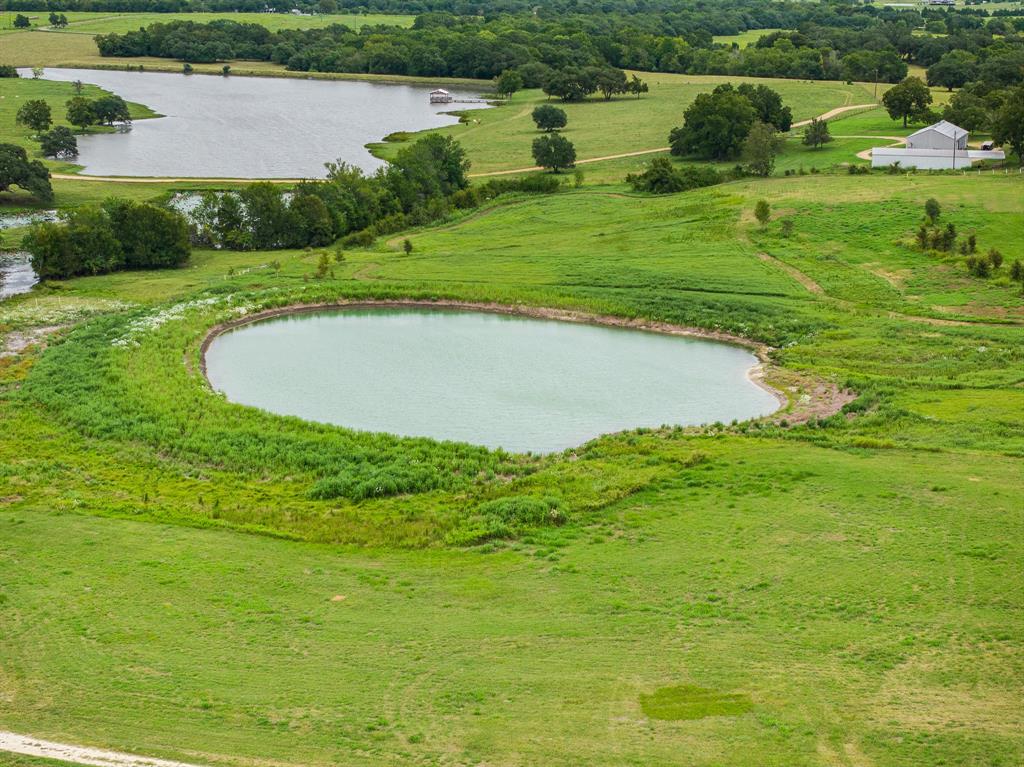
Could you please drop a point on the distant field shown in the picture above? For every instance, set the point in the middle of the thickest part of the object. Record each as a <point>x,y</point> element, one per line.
<point>743,39</point>
<point>42,19</point>
<point>39,49</point>
<point>101,24</point>
<point>500,139</point>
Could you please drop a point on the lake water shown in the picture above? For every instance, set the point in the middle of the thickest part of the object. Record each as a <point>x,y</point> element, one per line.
<point>251,127</point>
<point>502,381</point>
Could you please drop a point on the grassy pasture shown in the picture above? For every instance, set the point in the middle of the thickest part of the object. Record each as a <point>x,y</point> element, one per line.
<point>794,597</point>
<point>500,139</point>
<point>743,39</point>
<point>103,24</point>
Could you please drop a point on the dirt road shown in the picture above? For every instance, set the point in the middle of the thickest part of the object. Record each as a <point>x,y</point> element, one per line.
<point>13,743</point>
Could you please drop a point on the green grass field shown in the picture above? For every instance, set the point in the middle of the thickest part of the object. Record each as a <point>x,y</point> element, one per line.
<point>842,590</point>
<point>837,593</point>
<point>743,39</point>
<point>102,23</point>
<point>500,139</point>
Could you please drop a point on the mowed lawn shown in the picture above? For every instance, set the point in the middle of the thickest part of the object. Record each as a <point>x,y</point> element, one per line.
<point>500,139</point>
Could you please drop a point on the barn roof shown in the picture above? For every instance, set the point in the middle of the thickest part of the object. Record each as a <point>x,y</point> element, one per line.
<point>944,127</point>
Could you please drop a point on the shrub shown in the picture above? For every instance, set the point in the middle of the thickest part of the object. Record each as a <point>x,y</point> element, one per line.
<point>662,177</point>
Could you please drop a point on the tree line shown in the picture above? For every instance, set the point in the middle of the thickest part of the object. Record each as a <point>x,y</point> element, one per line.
<point>828,42</point>
<point>119,234</point>
<point>424,183</point>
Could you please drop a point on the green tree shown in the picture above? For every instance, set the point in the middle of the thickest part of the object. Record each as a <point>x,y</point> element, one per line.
<point>611,81</point>
<point>407,246</point>
<point>908,99</point>
<point>1008,123</point>
<point>22,22</point>
<point>769,106</point>
<point>149,237</point>
<point>760,147</point>
<point>266,216</point>
<point>816,133</point>
<point>636,86</point>
<point>110,109</point>
<point>554,152</point>
<point>35,115</point>
<point>715,125</point>
<point>932,210</point>
<point>327,7</point>
<point>84,244</point>
<point>80,112</point>
<point>1017,271</point>
<point>313,223</point>
<point>59,142</point>
<point>954,70</point>
<point>508,82</point>
<point>17,170</point>
<point>763,212</point>
<point>549,118</point>
<point>967,110</point>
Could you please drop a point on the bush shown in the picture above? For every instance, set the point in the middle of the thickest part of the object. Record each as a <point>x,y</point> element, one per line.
<point>662,177</point>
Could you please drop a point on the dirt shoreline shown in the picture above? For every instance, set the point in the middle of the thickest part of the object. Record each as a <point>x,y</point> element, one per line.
<point>756,374</point>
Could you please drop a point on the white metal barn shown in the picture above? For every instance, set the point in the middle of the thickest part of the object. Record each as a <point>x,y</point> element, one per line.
<point>942,135</point>
<point>942,146</point>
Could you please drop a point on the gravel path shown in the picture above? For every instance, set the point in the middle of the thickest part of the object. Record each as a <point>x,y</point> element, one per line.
<point>13,743</point>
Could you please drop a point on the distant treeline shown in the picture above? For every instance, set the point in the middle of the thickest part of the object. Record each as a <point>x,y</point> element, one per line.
<point>830,42</point>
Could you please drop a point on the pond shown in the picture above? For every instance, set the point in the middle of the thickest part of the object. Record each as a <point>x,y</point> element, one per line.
<point>16,275</point>
<point>496,380</point>
<point>251,127</point>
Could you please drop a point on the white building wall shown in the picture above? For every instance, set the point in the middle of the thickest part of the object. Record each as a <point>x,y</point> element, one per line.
<point>882,157</point>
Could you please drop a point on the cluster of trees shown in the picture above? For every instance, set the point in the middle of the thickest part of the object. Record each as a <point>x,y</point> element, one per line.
<point>119,234</point>
<point>931,236</point>
<point>105,110</point>
<point>36,115</point>
<point>717,124</point>
<point>424,182</point>
<point>16,169</point>
<point>662,177</point>
<point>819,41</point>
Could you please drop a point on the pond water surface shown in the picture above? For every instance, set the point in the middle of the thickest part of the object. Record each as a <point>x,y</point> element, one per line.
<point>16,275</point>
<point>251,127</point>
<point>519,383</point>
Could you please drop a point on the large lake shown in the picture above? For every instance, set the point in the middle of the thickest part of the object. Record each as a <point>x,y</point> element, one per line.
<point>251,127</point>
<point>502,381</point>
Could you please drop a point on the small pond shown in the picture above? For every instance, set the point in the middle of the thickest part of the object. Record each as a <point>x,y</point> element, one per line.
<point>251,127</point>
<point>520,383</point>
<point>16,275</point>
